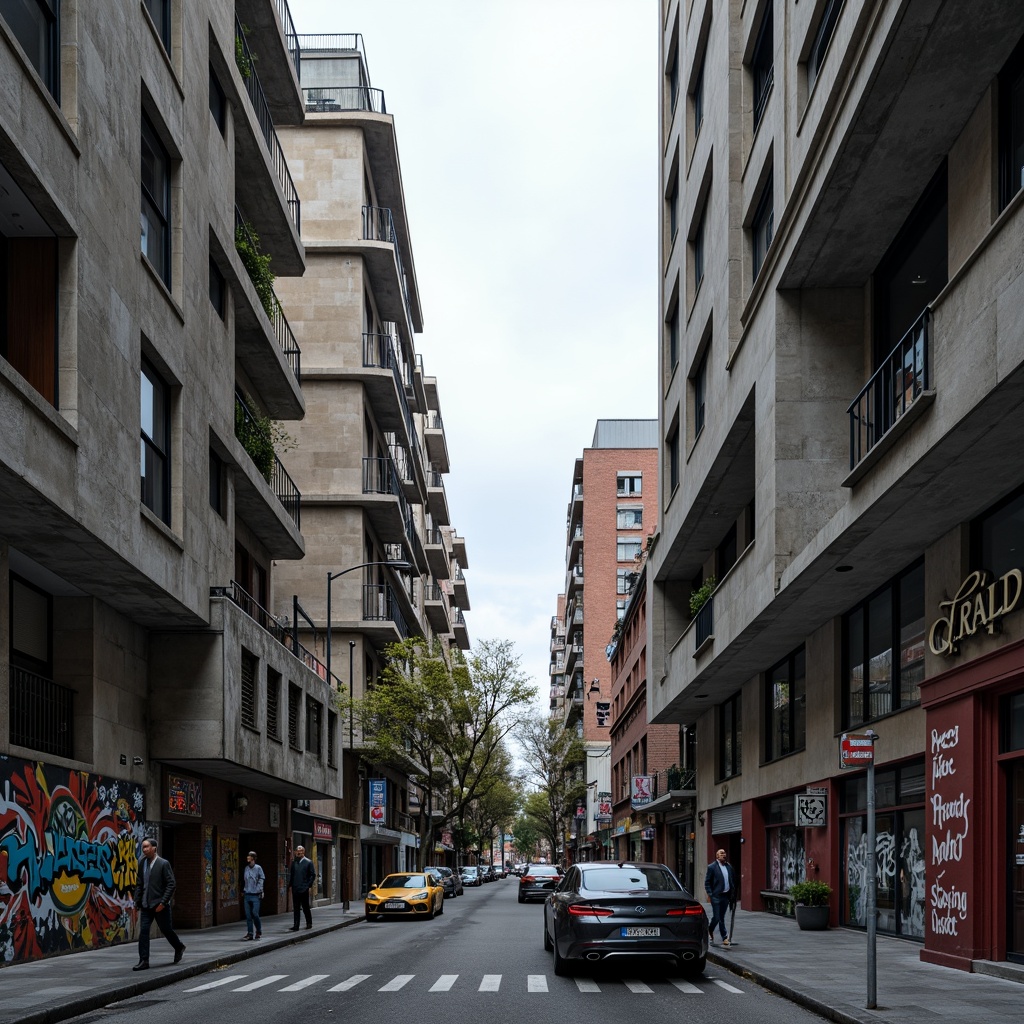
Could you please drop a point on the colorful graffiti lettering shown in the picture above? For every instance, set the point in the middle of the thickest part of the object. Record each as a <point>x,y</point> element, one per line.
<point>68,859</point>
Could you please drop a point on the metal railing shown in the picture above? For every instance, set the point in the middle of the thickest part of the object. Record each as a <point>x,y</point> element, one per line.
<point>433,592</point>
<point>458,619</point>
<point>434,421</point>
<point>672,780</point>
<point>41,713</point>
<point>379,226</point>
<point>266,123</point>
<point>704,627</point>
<point>332,42</point>
<point>333,99</point>
<point>291,37</point>
<point>893,388</point>
<point>379,353</point>
<point>379,605</point>
<point>283,486</point>
<point>282,329</point>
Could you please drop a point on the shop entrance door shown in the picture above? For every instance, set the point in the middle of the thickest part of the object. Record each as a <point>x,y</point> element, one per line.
<point>1015,950</point>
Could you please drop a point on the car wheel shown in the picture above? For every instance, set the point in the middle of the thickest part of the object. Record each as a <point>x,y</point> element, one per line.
<point>694,968</point>
<point>560,964</point>
<point>548,944</point>
<point>367,918</point>
<point>521,897</point>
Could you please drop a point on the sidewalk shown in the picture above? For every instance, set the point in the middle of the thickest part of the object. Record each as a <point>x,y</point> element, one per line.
<point>827,973</point>
<point>64,986</point>
<point>823,971</point>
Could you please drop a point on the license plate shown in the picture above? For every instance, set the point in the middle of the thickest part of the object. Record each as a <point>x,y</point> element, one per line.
<point>394,906</point>
<point>639,933</point>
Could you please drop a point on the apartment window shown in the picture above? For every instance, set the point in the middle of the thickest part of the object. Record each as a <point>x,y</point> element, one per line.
<point>697,99</point>
<point>998,537</point>
<point>294,709</point>
<point>762,66</point>
<point>217,475</point>
<point>673,76</point>
<point>827,25</point>
<point>273,704</point>
<point>672,453</point>
<point>314,725</point>
<point>625,580</point>
<point>762,227</point>
<point>627,548</point>
<point>218,103</point>
<point>730,747</point>
<point>155,442</point>
<point>883,650</point>
<point>628,483</point>
<point>218,290</point>
<point>700,390</point>
<point>673,338</point>
<point>332,739</point>
<point>36,26</point>
<point>160,12</point>
<point>629,517</point>
<point>673,207</point>
<point>156,202</point>
<point>698,252</point>
<point>727,551</point>
<point>786,706</point>
<point>620,608</point>
<point>247,691</point>
<point>1011,126</point>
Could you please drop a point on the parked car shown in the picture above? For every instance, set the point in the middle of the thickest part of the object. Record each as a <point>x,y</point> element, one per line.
<point>538,881</point>
<point>471,876</point>
<point>603,911</point>
<point>487,872</point>
<point>451,881</point>
<point>405,894</point>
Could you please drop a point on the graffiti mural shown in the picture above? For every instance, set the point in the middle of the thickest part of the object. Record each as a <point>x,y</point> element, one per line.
<point>69,845</point>
<point>228,870</point>
<point>208,872</point>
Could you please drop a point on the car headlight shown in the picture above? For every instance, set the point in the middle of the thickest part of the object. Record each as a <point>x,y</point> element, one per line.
<point>372,896</point>
<point>420,896</point>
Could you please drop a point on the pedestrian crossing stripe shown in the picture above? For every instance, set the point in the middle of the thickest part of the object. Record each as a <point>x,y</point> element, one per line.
<point>446,982</point>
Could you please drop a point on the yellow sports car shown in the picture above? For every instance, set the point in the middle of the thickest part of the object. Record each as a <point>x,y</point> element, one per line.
<point>406,894</point>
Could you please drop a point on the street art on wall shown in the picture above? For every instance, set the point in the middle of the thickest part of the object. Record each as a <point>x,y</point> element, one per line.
<point>69,847</point>
<point>208,872</point>
<point>228,870</point>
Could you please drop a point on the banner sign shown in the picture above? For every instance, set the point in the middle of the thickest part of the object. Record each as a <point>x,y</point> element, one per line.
<point>641,792</point>
<point>322,830</point>
<point>811,810</point>
<point>378,792</point>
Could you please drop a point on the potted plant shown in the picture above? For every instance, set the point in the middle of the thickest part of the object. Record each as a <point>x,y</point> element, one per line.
<point>699,597</point>
<point>811,901</point>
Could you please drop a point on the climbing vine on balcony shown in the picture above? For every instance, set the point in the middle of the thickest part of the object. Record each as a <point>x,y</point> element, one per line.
<point>243,58</point>
<point>257,266</point>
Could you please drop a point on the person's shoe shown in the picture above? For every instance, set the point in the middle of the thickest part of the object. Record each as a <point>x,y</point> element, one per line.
<point>142,965</point>
<point>178,954</point>
<point>308,926</point>
<point>726,942</point>
<point>295,929</point>
<point>259,935</point>
<point>711,940</point>
<point>247,938</point>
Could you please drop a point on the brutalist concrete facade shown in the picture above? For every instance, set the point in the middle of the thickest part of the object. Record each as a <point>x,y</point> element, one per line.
<point>840,397</point>
<point>135,644</point>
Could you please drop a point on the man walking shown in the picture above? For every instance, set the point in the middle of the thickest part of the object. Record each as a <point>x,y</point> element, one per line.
<point>153,898</point>
<point>253,879</point>
<point>301,876</point>
<point>723,890</point>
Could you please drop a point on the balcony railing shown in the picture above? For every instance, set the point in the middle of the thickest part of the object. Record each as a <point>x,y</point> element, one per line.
<point>255,439</point>
<point>379,605</point>
<point>893,388</point>
<point>379,353</point>
<point>704,628</point>
<point>246,62</point>
<point>333,42</point>
<point>282,330</point>
<point>41,714</point>
<point>291,37</point>
<point>334,99</point>
<point>379,226</point>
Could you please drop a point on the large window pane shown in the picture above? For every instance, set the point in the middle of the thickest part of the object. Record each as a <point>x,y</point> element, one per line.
<point>912,630</point>
<point>156,202</point>
<point>855,671</point>
<point>34,24</point>
<point>912,875</point>
<point>155,427</point>
<point>880,655</point>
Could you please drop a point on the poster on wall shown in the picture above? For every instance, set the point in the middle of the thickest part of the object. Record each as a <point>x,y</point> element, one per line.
<point>69,849</point>
<point>208,872</point>
<point>228,870</point>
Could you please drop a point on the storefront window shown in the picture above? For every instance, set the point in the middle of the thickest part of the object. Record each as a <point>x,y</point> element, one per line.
<point>1013,723</point>
<point>786,861</point>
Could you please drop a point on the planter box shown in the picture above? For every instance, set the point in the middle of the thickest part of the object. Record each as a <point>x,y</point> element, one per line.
<point>811,918</point>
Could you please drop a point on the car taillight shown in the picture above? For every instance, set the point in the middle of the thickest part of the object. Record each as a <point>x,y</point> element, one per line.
<point>693,911</point>
<point>580,910</point>
<point>525,879</point>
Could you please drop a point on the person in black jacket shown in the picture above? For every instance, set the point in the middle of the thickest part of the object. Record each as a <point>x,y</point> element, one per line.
<point>723,890</point>
<point>301,876</point>
<point>153,895</point>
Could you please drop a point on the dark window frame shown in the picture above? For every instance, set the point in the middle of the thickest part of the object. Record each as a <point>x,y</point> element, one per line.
<point>218,290</point>
<point>700,389</point>
<point>730,721</point>
<point>762,62</point>
<point>697,98</point>
<point>160,13</point>
<point>980,535</point>
<point>673,459</point>
<point>698,251</point>
<point>793,731</point>
<point>673,338</point>
<point>48,55</point>
<point>157,205</point>
<point>159,447</point>
<point>1011,127</point>
<point>762,226</point>
<point>218,102</point>
<point>822,38</point>
<point>673,207</point>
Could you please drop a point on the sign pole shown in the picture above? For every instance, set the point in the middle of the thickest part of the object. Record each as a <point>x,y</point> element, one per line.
<point>872,879</point>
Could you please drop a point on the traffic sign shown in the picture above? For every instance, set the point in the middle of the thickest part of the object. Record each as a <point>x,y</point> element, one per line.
<point>856,750</point>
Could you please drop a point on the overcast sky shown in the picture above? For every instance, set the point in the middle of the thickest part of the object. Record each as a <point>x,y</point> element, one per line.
<point>527,133</point>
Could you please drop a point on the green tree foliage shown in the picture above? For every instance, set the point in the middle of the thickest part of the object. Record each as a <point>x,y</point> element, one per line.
<point>525,831</point>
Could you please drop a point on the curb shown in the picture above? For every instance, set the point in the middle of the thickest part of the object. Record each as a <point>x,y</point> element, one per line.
<point>97,1000</point>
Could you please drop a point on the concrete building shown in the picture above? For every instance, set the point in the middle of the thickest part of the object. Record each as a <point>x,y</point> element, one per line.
<point>383,562</point>
<point>144,685</point>
<point>613,481</point>
<point>840,400</point>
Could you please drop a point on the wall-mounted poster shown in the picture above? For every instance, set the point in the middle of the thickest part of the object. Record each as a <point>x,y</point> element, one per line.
<point>69,859</point>
<point>228,870</point>
<point>208,873</point>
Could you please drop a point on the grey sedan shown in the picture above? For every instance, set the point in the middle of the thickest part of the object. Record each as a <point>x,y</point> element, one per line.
<point>603,911</point>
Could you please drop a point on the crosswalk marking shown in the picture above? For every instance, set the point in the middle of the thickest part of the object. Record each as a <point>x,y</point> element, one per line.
<point>587,985</point>
<point>396,983</point>
<point>444,983</point>
<point>218,983</point>
<point>727,986</point>
<point>688,987</point>
<point>536,983</point>
<point>252,986</point>
<point>637,986</point>
<point>349,983</point>
<point>305,983</point>
<point>490,983</point>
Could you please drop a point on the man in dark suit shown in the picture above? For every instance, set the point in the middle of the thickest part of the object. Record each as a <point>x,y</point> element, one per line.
<point>153,898</point>
<point>723,890</point>
<point>301,877</point>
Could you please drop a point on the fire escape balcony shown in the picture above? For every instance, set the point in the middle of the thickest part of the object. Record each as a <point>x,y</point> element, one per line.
<point>437,500</point>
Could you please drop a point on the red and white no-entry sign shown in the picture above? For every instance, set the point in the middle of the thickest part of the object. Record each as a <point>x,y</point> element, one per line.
<point>856,750</point>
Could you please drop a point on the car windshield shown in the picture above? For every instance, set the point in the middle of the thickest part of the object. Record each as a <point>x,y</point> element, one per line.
<point>404,882</point>
<point>542,869</point>
<point>630,879</point>
<point>469,871</point>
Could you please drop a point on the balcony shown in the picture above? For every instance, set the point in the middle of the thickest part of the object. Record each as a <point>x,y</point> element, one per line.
<point>670,783</point>
<point>459,550</point>
<point>437,500</point>
<point>437,553</point>
<point>557,666</point>
<point>254,434</point>
<point>704,625</point>
<point>897,393</point>
<point>575,545</point>
<point>387,269</point>
<point>437,446</point>
<point>386,385</point>
<point>460,633</point>
<point>573,581</point>
<point>385,502</point>
<point>271,32</point>
<point>41,714</point>
<point>459,587</point>
<point>575,512</point>
<point>335,99</point>
<point>234,725</point>
<point>573,654</point>
<point>382,618</point>
<point>435,603</point>
<point>270,195</point>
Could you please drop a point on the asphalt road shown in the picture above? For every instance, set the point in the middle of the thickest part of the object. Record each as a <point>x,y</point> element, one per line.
<point>484,955</point>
